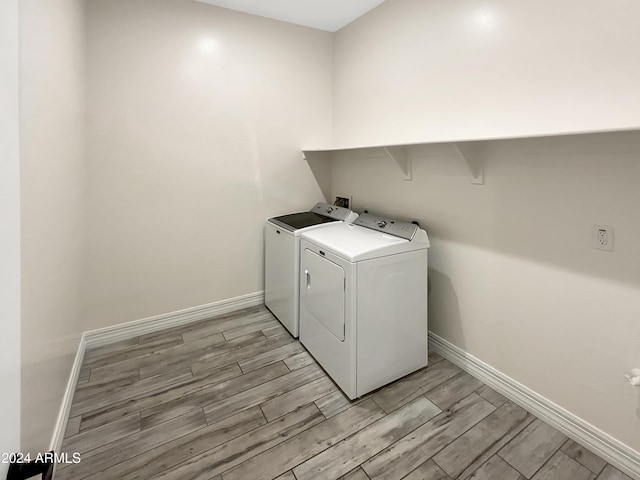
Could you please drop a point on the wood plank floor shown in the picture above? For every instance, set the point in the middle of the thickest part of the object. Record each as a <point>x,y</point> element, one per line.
<point>237,398</point>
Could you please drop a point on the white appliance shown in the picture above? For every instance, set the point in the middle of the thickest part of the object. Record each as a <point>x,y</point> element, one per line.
<point>363,301</point>
<point>282,258</point>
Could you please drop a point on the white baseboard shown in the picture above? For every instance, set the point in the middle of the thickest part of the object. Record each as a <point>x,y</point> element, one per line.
<point>63,415</point>
<point>612,450</point>
<point>105,336</point>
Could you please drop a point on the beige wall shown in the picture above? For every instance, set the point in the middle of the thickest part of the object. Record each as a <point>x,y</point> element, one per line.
<point>415,70</point>
<point>10,228</point>
<point>51,143</point>
<point>196,119</point>
<point>514,280</point>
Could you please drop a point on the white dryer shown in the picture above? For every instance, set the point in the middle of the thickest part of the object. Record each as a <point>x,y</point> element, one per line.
<point>363,301</point>
<point>282,258</point>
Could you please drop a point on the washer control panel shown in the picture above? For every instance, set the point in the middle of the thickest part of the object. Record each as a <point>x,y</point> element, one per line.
<point>397,228</point>
<point>331,211</point>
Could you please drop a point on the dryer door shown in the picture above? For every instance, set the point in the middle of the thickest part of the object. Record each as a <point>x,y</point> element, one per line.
<point>323,288</point>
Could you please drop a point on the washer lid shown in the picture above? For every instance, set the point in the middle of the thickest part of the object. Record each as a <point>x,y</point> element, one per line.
<point>296,221</point>
<point>355,243</point>
<point>321,213</point>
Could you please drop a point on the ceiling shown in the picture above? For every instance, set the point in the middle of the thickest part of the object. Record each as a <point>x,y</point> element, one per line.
<point>330,15</point>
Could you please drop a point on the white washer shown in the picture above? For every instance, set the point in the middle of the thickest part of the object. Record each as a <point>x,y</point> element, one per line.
<point>282,258</point>
<point>363,301</point>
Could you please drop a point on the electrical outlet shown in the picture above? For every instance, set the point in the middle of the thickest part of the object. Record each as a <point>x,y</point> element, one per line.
<point>602,237</point>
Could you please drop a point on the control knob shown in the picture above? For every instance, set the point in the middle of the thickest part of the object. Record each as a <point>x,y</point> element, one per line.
<point>382,223</point>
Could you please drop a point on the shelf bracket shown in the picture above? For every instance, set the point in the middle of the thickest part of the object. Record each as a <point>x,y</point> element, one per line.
<point>320,165</point>
<point>470,153</point>
<point>401,156</point>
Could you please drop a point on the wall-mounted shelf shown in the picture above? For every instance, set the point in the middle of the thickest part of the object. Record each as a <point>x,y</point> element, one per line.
<point>471,151</point>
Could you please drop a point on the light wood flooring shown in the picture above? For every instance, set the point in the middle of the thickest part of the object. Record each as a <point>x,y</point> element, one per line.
<point>237,398</point>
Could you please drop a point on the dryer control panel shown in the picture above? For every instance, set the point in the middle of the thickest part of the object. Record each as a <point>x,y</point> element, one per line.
<point>397,228</point>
